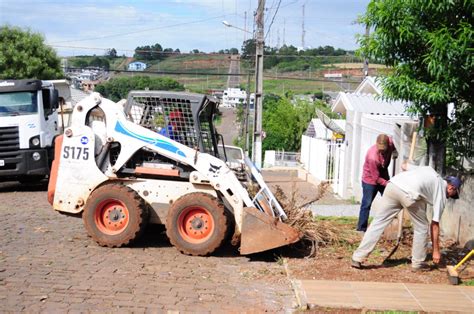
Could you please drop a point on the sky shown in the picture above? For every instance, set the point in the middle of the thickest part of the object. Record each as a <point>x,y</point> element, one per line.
<point>90,27</point>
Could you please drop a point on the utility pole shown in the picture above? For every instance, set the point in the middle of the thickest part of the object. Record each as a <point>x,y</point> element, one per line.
<point>302,31</point>
<point>278,38</point>
<point>366,59</point>
<point>246,116</point>
<point>257,143</point>
<point>245,26</point>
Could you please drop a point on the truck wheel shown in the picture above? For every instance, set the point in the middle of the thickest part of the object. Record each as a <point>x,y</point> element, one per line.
<point>197,224</point>
<point>115,215</point>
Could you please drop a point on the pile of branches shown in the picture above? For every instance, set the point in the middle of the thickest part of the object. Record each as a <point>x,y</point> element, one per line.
<point>315,232</point>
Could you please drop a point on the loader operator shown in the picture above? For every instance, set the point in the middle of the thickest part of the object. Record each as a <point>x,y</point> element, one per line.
<point>411,189</point>
<point>374,176</point>
<point>174,129</point>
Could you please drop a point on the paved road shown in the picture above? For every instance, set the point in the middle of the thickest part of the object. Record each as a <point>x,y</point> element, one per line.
<point>47,263</point>
<point>234,68</point>
<point>229,128</point>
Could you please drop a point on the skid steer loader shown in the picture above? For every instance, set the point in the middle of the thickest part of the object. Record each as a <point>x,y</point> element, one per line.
<point>154,158</point>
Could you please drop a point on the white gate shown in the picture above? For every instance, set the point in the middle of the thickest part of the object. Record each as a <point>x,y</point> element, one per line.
<point>324,160</point>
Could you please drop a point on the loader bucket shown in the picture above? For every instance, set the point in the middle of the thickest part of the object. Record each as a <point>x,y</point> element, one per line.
<point>261,232</point>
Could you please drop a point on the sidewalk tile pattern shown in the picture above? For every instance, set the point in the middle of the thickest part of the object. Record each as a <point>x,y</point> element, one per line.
<point>389,296</point>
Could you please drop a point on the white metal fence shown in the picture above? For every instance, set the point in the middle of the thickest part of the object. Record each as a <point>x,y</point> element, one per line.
<point>281,159</point>
<point>287,159</point>
<point>324,160</point>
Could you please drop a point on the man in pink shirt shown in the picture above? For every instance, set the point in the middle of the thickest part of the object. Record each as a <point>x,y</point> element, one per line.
<point>374,176</point>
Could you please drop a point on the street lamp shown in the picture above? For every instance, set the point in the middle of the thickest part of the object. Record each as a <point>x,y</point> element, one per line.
<point>259,46</point>
<point>246,119</point>
<point>232,26</point>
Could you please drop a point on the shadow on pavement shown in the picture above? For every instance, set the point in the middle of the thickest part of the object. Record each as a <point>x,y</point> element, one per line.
<point>14,186</point>
<point>154,236</point>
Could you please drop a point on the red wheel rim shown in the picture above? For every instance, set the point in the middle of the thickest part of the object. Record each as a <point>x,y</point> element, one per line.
<point>195,224</point>
<point>111,217</point>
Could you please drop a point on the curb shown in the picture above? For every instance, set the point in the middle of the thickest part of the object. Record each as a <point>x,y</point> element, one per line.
<point>300,294</point>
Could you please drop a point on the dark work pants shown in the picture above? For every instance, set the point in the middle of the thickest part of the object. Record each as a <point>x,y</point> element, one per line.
<point>369,191</point>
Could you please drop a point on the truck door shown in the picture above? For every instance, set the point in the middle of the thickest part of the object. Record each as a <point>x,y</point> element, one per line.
<point>50,116</point>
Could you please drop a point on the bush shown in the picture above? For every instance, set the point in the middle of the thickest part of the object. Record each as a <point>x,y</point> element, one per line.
<point>118,88</point>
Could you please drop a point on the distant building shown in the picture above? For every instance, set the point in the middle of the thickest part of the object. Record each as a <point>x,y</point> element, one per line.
<point>232,97</point>
<point>333,75</point>
<point>136,66</point>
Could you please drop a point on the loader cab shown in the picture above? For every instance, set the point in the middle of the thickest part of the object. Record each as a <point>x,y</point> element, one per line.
<point>187,118</point>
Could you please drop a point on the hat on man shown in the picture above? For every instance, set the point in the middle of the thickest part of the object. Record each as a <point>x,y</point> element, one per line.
<point>382,141</point>
<point>456,182</point>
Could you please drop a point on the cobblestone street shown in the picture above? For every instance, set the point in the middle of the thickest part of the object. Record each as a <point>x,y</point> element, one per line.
<point>48,263</point>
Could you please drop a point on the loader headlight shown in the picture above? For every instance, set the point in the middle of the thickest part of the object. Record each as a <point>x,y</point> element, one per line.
<point>36,156</point>
<point>34,142</point>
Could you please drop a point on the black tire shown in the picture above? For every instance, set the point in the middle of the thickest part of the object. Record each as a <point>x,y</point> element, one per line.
<point>197,224</point>
<point>115,215</point>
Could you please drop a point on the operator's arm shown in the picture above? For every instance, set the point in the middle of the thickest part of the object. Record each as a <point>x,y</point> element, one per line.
<point>376,173</point>
<point>435,242</point>
<point>439,201</point>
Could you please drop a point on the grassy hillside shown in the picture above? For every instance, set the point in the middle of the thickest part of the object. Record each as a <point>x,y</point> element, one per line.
<point>196,73</point>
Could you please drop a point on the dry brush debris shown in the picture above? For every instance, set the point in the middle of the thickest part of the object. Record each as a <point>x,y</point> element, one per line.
<point>315,232</point>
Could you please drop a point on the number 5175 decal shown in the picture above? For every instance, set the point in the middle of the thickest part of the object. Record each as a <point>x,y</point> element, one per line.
<point>76,152</point>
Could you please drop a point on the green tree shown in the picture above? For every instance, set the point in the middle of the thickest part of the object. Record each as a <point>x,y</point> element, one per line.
<point>111,53</point>
<point>79,63</point>
<point>23,54</point>
<point>147,52</point>
<point>429,45</point>
<point>284,122</point>
<point>118,88</point>
<point>248,49</point>
<point>100,62</point>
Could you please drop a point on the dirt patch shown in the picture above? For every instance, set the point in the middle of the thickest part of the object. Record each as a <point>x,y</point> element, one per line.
<point>332,262</point>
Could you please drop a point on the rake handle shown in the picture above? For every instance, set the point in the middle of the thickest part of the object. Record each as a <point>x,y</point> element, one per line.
<point>464,259</point>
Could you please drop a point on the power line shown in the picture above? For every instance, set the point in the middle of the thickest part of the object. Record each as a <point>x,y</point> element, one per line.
<point>167,72</point>
<point>141,50</point>
<point>143,30</point>
<point>273,19</point>
<point>200,53</point>
<point>227,74</point>
<point>171,53</point>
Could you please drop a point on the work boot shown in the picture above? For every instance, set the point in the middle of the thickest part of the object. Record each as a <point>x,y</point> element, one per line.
<point>421,268</point>
<point>356,264</point>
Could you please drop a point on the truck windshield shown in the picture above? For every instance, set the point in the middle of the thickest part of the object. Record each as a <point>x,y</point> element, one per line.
<point>18,103</point>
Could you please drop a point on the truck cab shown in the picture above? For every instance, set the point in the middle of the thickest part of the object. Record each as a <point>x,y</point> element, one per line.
<point>28,126</point>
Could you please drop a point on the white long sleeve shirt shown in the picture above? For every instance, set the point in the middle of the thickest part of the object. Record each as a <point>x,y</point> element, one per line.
<point>424,183</point>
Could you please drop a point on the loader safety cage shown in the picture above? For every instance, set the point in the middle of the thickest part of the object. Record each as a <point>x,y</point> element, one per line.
<point>183,117</point>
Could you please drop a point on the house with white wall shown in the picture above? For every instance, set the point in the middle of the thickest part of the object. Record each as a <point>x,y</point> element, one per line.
<point>136,66</point>
<point>317,129</point>
<point>234,97</point>
<point>367,115</point>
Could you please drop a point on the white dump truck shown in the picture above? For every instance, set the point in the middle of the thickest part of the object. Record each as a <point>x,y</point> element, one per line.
<point>28,126</point>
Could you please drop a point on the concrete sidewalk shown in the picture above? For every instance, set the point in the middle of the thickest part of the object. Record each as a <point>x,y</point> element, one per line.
<point>385,296</point>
